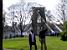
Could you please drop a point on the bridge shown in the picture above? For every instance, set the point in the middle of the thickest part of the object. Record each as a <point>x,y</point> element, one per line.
<point>39,12</point>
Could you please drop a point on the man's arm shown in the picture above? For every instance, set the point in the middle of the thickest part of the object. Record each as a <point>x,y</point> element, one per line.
<point>40,36</point>
<point>29,37</point>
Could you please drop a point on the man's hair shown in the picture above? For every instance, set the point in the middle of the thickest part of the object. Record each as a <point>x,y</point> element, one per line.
<point>46,29</point>
<point>32,31</point>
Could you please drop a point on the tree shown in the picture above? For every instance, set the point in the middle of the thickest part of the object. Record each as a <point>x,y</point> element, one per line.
<point>17,11</point>
<point>64,33</point>
<point>62,13</point>
<point>22,12</point>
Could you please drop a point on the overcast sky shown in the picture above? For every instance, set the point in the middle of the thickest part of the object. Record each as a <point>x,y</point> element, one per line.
<point>49,4</point>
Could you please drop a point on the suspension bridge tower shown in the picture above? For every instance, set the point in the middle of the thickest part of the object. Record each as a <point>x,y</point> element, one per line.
<point>38,19</point>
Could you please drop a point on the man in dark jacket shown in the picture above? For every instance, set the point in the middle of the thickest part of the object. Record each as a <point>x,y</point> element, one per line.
<point>32,40</point>
<point>42,39</point>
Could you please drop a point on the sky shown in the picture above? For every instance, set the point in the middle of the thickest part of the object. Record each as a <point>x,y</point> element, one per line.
<point>49,4</point>
<point>7,3</point>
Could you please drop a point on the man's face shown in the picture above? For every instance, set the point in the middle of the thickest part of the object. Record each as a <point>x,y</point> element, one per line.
<point>41,28</point>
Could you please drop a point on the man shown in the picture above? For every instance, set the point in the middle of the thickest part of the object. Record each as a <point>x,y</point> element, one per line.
<point>32,40</point>
<point>42,39</point>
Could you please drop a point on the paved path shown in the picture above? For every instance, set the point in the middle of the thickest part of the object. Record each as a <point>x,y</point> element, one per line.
<point>7,49</point>
<point>11,49</point>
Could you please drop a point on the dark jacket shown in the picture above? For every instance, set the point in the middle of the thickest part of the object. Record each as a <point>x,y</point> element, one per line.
<point>30,39</point>
<point>42,34</point>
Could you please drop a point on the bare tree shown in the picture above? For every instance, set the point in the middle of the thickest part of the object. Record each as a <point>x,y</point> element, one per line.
<point>61,8</point>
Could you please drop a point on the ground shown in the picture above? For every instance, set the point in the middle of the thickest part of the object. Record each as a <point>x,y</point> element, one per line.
<point>53,43</point>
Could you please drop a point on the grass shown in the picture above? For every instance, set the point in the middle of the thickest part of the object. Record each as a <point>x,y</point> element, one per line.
<point>53,43</point>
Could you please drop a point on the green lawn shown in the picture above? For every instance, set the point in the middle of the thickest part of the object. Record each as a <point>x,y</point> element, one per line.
<point>53,43</point>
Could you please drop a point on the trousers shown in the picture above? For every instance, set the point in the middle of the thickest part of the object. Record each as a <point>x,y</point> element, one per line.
<point>33,43</point>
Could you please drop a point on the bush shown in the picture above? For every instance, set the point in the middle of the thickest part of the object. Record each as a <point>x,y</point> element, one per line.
<point>14,36</point>
<point>64,33</point>
<point>21,35</point>
<point>6,37</point>
<point>10,36</point>
<point>64,37</point>
<point>17,35</point>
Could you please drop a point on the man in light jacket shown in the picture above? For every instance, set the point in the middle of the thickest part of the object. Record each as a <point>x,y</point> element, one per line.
<point>32,40</point>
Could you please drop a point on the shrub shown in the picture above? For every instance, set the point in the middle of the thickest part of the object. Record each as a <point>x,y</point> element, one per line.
<point>10,36</point>
<point>17,36</point>
<point>6,37</point>
<point>64,33</point>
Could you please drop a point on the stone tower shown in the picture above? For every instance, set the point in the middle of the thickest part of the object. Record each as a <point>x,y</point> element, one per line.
<point>38,19</point>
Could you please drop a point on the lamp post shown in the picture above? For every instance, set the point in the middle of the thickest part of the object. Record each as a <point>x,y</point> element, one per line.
<point>13,24</point>
<point>21,20</point>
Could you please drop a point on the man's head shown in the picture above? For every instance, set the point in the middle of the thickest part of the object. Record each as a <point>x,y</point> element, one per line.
<point>45,29</point>
<point>32,31</point>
